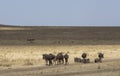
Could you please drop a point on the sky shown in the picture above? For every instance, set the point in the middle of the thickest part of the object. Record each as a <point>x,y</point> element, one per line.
<point>60,12</point>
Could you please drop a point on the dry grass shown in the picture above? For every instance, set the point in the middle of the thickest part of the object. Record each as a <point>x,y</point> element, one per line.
<point>32,55</point>
<point>16,51</point>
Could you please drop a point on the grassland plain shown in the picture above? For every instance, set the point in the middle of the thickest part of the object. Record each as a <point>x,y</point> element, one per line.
<point>16,52</point>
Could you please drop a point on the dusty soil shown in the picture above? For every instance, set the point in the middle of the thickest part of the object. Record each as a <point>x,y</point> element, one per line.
<point>107,68</point>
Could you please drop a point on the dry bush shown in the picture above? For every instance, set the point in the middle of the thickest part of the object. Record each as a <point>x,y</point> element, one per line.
<point>5,65</point>
<point>30,40</point>
<point>5,62</point>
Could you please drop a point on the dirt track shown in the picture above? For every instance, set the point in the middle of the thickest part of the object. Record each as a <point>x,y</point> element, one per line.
<point>107,68</point>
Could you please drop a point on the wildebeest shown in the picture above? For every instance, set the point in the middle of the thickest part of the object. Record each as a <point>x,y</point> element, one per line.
<point>100,55</point>
<point>99,59</point>
<point>48,58</point>
<point>66,56</point>
<point>76,59</point>
<point>84,60</point>
<point>60,58</point>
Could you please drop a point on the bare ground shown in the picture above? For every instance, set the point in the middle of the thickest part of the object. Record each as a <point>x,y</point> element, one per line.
<point>75,69</point>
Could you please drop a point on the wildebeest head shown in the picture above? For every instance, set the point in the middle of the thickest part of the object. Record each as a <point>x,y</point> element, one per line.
<point>84,55</point>
<point>100,55</point>
<point>44,56</point>
<point>60,58</point>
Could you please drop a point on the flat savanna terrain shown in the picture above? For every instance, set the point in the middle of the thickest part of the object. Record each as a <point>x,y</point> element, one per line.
<point>20,57</point>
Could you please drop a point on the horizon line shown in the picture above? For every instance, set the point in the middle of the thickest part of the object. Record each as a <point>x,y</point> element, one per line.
<point>62,25</point>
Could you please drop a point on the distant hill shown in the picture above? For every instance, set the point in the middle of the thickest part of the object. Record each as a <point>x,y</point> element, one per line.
<point>2,25</point>
<point>54,32</point>
<point>59,33</point>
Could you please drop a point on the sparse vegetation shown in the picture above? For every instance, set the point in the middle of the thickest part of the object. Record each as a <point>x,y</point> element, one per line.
<point>28,62</point>
<point>31,40</point>
<point>16,51</point>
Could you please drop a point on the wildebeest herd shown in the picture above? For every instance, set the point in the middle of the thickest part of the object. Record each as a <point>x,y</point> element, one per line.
<point>87,60</point>
<point>61,58</point>
<point>84,60</point>
<point>51,59</point>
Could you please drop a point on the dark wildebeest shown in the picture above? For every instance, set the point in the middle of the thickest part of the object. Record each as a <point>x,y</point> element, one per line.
<point>48,58</point>
<point>99,59</point>
<point>66,56</point>
<point>84,60</point>
<point>60,58</point>
<point>76,59</point>
<point>84,55</point>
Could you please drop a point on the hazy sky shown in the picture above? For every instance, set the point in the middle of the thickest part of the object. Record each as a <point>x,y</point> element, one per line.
<point>60,12</point>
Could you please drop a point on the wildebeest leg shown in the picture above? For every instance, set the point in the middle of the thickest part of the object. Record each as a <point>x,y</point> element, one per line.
<point>59,62</point>
<point>62,61</point>
<point>66,60</point>
<point>46,62</point>
<point>54,61</point>
<point>49,62</point>
<point>84,60</point>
